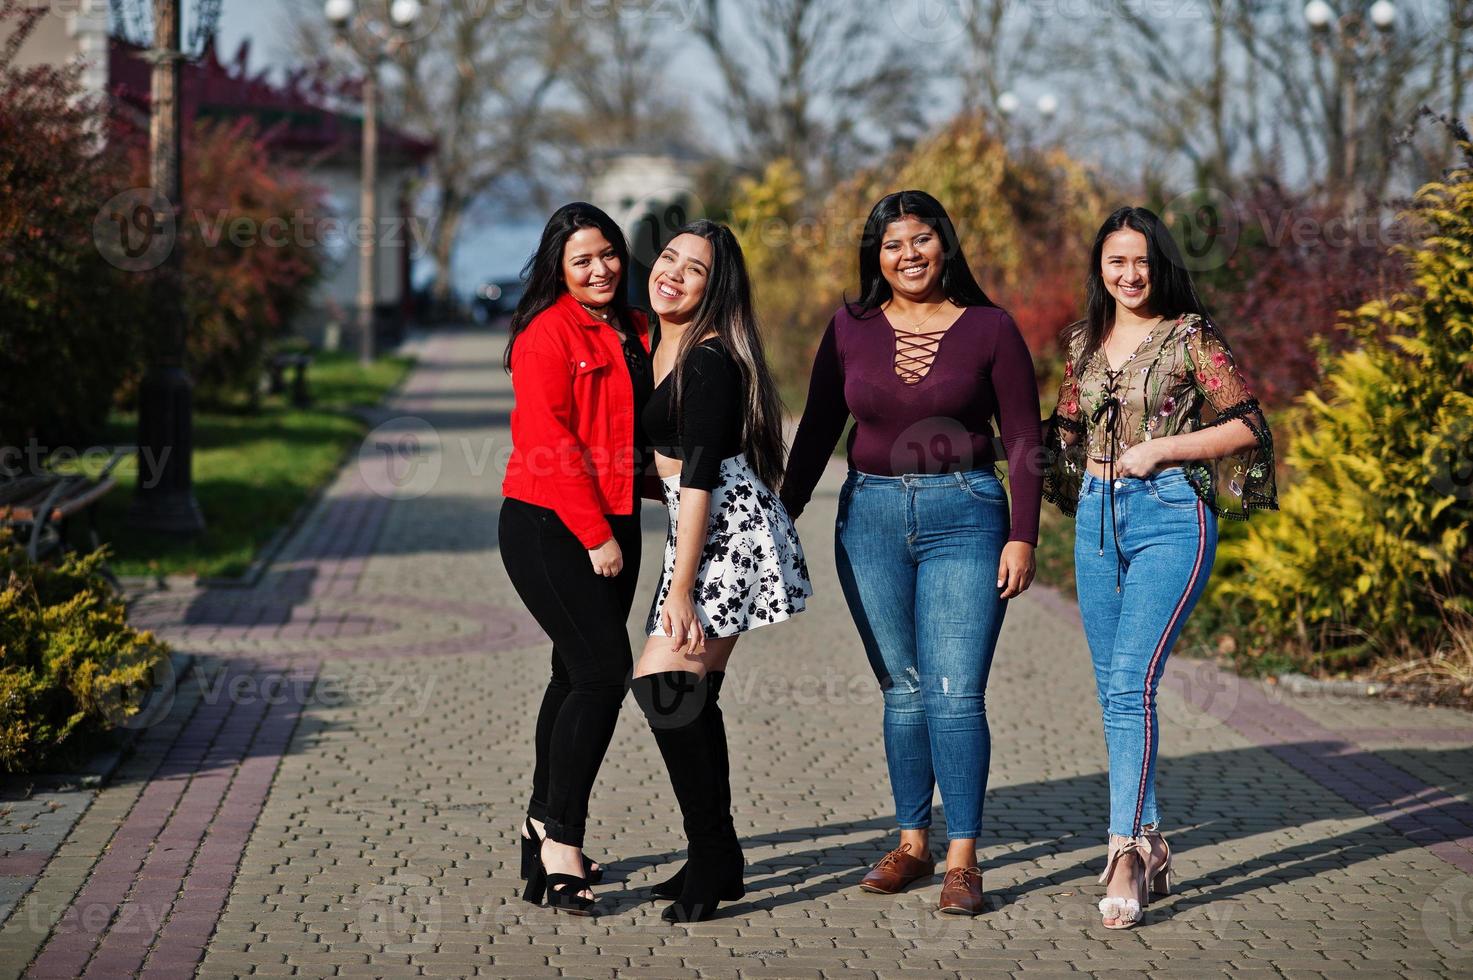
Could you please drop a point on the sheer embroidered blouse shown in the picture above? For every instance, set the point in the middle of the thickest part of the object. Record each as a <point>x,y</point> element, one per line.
<point>1180,368</point>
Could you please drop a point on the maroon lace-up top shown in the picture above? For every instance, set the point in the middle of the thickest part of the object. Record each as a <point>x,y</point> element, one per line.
<point>923,403</point>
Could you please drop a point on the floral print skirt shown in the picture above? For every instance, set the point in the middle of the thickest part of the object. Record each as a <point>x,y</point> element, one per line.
<point>752,571</point>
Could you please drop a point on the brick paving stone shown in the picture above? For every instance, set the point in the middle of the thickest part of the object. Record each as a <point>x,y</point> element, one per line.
<point>338,785</point>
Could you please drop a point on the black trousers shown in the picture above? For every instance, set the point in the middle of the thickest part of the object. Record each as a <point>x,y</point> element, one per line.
<point>585,614</point>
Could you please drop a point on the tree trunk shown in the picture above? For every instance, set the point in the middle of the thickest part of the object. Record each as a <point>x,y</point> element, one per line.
<point>442,247</point>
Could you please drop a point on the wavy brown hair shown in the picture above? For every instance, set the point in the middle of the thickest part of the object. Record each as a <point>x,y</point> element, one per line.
<point>726,310</point>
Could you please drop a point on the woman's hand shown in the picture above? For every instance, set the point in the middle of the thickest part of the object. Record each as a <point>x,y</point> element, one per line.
<point>678,618</point>
<point>1015,570</point>
<point>1141,460</point>
<point>607,559</point>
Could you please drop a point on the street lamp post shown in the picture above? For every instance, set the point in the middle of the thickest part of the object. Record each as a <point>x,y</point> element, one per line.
<point>370,46</point>
<point>164,498</point>
<point>1009,105</point>
<point>1343,36</point>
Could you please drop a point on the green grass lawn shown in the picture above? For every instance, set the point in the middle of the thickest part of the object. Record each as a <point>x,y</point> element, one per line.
<point>251,471</point>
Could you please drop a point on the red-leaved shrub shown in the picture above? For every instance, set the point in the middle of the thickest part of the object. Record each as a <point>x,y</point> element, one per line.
<point>1297,265</point>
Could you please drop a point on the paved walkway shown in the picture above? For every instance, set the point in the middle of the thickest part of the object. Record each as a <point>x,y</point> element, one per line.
<point>334,787</point>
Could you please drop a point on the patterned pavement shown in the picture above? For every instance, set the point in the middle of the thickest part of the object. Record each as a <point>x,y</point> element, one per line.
<point>334,786</point>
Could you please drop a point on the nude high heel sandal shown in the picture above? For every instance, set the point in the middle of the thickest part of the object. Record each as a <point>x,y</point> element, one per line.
<point>1159,873</point>
<point>1125,913</point>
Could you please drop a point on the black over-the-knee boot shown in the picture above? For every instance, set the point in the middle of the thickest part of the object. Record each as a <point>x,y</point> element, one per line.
<point>732,887</point>
<point>676,706</point>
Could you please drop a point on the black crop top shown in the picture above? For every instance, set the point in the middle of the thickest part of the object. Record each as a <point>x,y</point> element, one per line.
<point>709,428</point>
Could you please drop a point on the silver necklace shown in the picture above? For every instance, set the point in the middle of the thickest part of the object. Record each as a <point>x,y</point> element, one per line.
<point>602,312</point>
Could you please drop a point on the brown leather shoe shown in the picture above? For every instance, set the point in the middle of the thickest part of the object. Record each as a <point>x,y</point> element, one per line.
<point>961,892</point>
<point>896,870</point>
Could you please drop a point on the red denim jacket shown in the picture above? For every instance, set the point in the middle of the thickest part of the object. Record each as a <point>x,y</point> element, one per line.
<point>572,427</point>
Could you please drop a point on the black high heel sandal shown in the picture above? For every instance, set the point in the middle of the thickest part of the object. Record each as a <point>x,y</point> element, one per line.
<point>532,846</point>
<point>560,890</point>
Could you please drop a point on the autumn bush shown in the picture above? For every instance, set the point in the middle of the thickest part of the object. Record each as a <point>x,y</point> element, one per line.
<point>251,251</point>
<point>1371,554</point>
<point>68,319</point>
<point>75,322</point>
<point>70,665</point>
<point>1296,264</point>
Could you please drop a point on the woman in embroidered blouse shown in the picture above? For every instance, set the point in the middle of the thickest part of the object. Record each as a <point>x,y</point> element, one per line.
<point>1130,447</point>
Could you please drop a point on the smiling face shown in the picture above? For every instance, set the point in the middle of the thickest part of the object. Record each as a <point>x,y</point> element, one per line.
<point>591,268</point>
<point>678,279</point>
<point>1126,272</point>
<point>910,259</point>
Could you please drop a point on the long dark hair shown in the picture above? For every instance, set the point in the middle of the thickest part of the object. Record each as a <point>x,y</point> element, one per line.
<point>543,272</point>
<point>957,281</point>
<point>726,310</point>
<point>1172,293</point>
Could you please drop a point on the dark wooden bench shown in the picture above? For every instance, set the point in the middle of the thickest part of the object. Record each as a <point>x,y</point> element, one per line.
<point>37,505</point>
<point>276,367</point>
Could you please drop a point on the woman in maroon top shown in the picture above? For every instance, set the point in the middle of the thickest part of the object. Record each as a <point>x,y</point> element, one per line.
<point>569,532</point>
<point>927,553</point>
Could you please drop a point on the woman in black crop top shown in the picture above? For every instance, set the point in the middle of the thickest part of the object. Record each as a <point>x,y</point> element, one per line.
<point>732,558</point>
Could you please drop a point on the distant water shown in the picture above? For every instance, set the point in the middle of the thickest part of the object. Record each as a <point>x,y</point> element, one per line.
<point>487,250</point>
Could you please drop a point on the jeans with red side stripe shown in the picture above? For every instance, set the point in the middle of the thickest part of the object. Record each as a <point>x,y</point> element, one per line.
<point>1136,588</point>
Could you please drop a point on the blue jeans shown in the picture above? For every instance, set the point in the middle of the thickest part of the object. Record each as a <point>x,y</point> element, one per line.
<point>917,558</point>
<point>1168,539</point>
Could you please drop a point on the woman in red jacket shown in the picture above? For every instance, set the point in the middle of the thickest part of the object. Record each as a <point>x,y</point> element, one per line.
<point>569,531</point>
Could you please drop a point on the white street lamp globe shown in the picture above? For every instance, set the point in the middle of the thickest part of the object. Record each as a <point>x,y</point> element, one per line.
<point>338,12</point>
<point>1318,13</point>
<point>403,12</point>
<point>1383,14</point>
<point>1007,103</point>
<point>1048,105</point>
